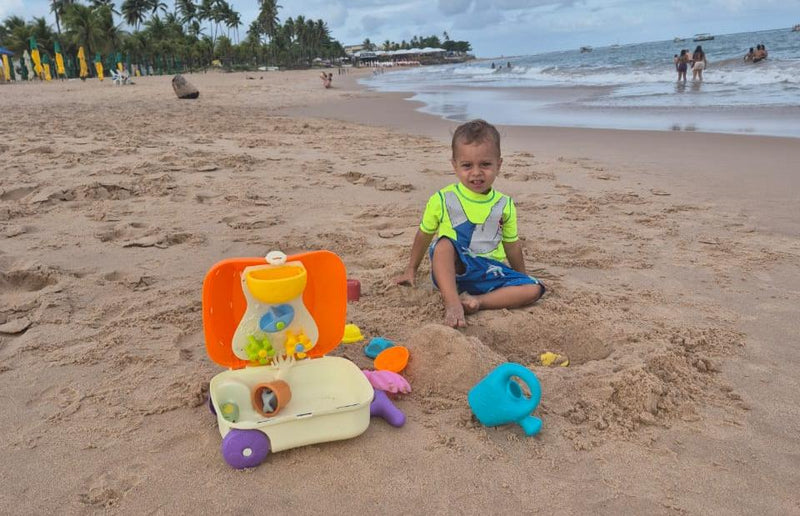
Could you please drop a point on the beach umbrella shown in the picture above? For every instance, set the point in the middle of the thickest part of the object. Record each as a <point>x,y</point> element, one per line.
<point>59,61</point>
<point>98,66</point>
<point>84,72</point>
<point>25,66</point>
<point>5,51</point>
<point>37,61</point>
<point>6,68</point>
<point>71,67</point>
<point>119,62</point>
<point>46,67</point>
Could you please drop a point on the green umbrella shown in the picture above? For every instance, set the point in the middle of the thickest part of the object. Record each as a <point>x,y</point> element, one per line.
<point>23,70</point>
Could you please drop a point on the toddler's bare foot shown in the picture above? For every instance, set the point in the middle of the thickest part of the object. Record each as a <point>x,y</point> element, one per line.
<point>470,303</point>
<point>454,316</point>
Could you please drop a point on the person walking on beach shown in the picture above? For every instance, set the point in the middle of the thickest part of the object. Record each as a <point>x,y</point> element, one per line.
<point>476,230</point>
<point>699,59</point>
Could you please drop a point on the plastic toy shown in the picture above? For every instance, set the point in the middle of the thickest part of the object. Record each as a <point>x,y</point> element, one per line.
<point>387,381</point>
<point>383,407</point>
<point>258,317</point>
<point>353,290</point>
<point>269,398</point>
<point>352,333</point>
<point>393,359</point>
<point>376,345</point>
<point>498,398</point>
<point>549,358</point>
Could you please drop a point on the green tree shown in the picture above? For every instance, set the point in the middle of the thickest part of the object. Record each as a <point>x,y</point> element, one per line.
<point>133,12</point>
<point>84,27</point>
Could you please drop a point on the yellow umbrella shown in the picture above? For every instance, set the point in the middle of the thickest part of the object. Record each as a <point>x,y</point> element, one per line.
<point>98,66</point>
<point>59,61</point>
<point>84,70</point>
<point>6,69</point>
<point>37,62</point>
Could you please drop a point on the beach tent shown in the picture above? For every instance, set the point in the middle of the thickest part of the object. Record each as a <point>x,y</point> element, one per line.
<point>84,70</point>
<point>98,65</point>
<point>59,61</point>
<point>37,61</point>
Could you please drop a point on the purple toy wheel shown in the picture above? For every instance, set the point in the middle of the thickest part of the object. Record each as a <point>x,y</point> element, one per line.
<point>245,448</point>
<point>211,406</point>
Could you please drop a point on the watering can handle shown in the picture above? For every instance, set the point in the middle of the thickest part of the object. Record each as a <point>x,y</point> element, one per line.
<point>527,376</point>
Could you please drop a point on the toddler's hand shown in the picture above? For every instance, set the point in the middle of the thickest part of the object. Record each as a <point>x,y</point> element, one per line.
<point>407,278</point>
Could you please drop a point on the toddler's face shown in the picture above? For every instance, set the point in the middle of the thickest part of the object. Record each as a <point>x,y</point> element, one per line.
<point>477,165</point>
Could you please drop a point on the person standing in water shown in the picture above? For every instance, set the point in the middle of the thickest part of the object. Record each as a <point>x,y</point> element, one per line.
<point>700,62</point>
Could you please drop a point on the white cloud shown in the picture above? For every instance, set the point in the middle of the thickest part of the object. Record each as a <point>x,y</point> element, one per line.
<point>451,7</point>
<point>9,7</point>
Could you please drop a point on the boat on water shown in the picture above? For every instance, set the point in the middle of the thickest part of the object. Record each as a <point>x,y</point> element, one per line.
<point>796,28</point>
<point>586,49</point>
<point>705,36</point>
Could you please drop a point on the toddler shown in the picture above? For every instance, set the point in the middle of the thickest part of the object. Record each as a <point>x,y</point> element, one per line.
<point>476,230</point>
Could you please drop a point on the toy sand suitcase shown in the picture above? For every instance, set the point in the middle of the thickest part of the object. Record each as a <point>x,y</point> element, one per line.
<point>254,312</point>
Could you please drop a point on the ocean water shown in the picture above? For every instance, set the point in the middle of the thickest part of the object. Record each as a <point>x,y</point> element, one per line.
<point>621,87</point>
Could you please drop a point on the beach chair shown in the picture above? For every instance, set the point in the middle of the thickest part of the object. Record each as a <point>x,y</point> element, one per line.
<point>116,77</point>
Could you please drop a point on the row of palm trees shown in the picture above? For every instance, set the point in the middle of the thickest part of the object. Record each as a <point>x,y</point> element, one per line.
<point>194,33</point>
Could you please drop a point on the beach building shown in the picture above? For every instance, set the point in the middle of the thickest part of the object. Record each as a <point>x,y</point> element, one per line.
<point>405,57</point>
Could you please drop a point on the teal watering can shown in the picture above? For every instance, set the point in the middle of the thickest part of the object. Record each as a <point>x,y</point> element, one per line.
<point>498,399</point>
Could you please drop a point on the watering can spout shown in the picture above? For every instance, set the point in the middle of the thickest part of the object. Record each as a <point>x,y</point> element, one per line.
<point>530,425</point>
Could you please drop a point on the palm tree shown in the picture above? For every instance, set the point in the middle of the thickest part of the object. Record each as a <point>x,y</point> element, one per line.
<point>233,20</point>
<point>133,11</point>
<point>205,12</point>
<point>104,3</point>
<point>57,8</point>
<point>41,30</point>
<point>83,27</point>
<point>16,33</point>
<point>268,17</point>
<point>155,5</point>
<point>187,10</point>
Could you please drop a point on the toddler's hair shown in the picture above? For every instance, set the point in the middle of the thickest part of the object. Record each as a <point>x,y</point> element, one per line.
<point>475,131</point>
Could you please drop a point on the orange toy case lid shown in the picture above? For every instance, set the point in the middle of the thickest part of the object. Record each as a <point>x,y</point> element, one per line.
<point>325,297</point>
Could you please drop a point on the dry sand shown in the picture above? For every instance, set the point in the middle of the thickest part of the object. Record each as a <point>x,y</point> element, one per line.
<point>672,261</point>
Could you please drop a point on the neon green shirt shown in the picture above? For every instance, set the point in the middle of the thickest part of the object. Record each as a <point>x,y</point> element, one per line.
<point>477,208</point>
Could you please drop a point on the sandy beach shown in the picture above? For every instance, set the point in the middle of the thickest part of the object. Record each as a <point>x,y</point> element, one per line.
<point>671,260</point>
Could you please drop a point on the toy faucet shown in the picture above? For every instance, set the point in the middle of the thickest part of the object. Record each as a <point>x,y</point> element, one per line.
<point>498,398</point>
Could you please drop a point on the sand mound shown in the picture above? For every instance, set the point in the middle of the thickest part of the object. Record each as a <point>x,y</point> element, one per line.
<point>446,363</point>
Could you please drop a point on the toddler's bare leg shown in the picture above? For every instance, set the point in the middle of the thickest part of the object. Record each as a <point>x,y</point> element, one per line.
<point>443,267</point>
<point>509,297</point>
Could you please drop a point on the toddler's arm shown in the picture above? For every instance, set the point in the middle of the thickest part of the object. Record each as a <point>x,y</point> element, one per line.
<point>514,255</point>
<point>421,242</point>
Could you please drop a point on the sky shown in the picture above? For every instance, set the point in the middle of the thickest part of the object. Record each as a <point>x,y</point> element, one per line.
<point>511,27</point>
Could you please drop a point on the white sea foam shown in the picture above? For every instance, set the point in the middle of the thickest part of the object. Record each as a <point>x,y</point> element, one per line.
<point>634,77</point>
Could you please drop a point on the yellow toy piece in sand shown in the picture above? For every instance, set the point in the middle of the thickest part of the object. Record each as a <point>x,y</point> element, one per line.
<point>352,333</point>
<point>549,358</point>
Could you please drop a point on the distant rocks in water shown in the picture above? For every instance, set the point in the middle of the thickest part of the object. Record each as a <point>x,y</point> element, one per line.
<point>183,88</point>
